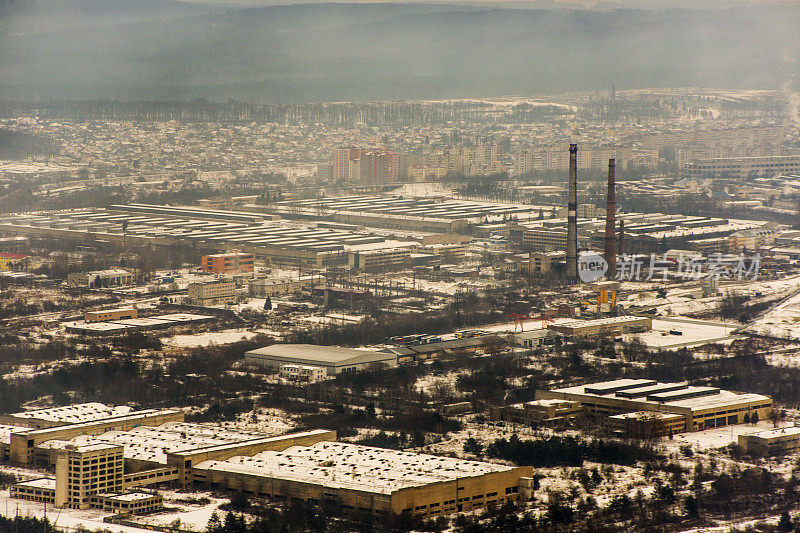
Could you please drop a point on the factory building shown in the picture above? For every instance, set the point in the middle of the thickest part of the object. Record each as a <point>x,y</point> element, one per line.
<point>743,167</point>
<point>428,214</point>
<point>364,480</point>
<point>20,440</point>
<point>104,315</point>
<point>333,359</point>
<point>616,325</point>
<point>280,242</point>
<point>780,441</point>
<point>228,263</point>
<point>700,407</point>
<point>114,277</point>
<point>104,469</point>
<point>264,287</point>
<point>379,260</point>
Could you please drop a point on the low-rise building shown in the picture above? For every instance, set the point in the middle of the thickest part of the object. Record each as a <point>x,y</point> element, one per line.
<point>648,424</point>
<point>778,441</point>
<point>114,277</point>
<point>221,291</point>
<point>303,372</point>
<point>333,359</point>
<point>617,325</point>
<point>538,412</point>
<point>363,480</point>
<point>105,315</point>
<point>11,261</point>
<point>228,263</point>
<point>532,338</point>
<point>379,260</point>
<point>264,287</point>
<point>700,407</point>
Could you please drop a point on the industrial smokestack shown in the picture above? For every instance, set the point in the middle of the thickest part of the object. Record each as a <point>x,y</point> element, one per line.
<point>621,240</point>
<point>611,217</point>
<point>572,214</point>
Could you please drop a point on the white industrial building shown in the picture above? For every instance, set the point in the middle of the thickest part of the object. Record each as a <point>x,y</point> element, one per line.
<point>333,359</point>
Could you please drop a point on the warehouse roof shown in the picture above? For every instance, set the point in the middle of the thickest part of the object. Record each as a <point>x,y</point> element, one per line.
<point>683,395</point>
<point>75,414</point>
<point>312,353</point>
<point>350,466</point>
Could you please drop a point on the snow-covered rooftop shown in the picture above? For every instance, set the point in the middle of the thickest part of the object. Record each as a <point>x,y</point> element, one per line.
<point>75,414</point>
<point>350,466</point>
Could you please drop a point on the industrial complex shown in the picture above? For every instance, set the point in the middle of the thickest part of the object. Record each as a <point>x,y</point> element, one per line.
<point>103,457</point>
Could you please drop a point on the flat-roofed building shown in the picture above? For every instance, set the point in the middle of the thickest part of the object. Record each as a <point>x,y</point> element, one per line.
<point>383,259</point>
<point>333,359</point>
<point>221,291</point>
<point>23,443</point>
<point>105,315</point>
<point>742,167</point>
<point>538,412</point>
<point>134,503</point>
<point>616,325</point>
<point>648,424</point>
<point>69,414</point>
<point>303,372</point>
<point>700,407</point>
<point>114,277</point>
<point>35,490</point>
<point>84,471</point>
<point>228,263</point>
<point>779,441</point>
<point>360,479</point>
<point>263,287</point>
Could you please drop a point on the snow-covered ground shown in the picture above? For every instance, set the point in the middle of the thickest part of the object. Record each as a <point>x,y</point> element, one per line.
<point>715,438</point>
<point>693,333</point>
<point>208,338</point>
<point>782,321</point>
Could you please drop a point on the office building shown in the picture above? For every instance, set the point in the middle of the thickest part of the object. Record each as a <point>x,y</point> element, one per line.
<point>304,373</point>
<point>220,291</point>
<point>228,263</point>
<point>538,412</point>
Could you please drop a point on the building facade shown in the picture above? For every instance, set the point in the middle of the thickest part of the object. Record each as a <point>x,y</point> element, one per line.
<point>212,292</point>
<point>228,263</point>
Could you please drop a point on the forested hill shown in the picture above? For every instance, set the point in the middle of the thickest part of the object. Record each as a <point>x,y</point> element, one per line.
<point>135,49</point>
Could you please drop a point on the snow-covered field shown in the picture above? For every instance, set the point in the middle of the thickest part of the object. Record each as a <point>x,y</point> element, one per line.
<point>782,321</point>
<point>693,333</point>
<point>208,338</point>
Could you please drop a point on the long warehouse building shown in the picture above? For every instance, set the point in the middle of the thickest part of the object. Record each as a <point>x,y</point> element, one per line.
<point>700,407</point>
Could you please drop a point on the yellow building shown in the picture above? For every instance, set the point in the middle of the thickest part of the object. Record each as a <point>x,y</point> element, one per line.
<point>360,479</point>
<point>700,407</point>
<point>779,441</point>
<point>212,292</point>
<point>539,412</point>
<point>13,262</point>
<point>105,315</point>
